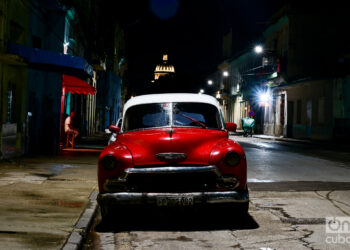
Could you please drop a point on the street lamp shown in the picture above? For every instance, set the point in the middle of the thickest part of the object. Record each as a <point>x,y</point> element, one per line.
<point>201,91</point>
<point>258,49</point>
<point>225,73</point>
<point>210,82</point>
<point>264,97</point>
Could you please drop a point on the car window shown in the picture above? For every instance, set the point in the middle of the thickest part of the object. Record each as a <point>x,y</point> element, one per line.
<point>147,116</point>
<point>196,114</point>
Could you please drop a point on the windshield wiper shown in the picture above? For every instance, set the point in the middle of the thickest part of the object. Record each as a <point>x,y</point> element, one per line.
<point>194,120</point>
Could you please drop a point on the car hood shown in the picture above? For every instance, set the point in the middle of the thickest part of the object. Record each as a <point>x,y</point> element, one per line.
<point>193,145</point>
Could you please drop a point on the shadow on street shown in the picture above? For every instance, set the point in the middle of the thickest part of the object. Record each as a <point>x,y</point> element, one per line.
<point>176,219</point>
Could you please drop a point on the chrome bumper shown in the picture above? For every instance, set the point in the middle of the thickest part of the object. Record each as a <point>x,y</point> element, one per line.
<point>126,198</point>
<point>166,170</point>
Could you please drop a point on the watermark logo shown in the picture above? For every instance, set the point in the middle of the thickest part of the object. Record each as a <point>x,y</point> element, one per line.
<point>338,230</point>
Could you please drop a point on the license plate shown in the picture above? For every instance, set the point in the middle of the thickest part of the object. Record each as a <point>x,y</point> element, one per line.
<point>175,201</point>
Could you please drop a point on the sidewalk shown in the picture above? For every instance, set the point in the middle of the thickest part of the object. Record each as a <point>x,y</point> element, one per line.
<point>44,200</point>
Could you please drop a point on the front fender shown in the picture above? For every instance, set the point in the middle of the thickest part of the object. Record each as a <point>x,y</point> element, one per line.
<point>124,160</point>
<point>217,158</point>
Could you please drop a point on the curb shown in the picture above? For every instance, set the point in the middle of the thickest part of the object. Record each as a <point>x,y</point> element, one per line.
<point>83,226</point>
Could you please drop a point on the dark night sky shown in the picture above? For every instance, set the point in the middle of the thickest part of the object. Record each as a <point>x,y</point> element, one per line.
<point>191,36</point>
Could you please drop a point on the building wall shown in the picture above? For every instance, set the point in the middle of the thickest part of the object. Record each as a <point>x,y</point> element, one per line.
<point>275,113</point>
<point>13,75</point>
<point>108,100</point>
<point>43,105</point>
<point>341,108</point>
<point>44,87</point>
<point>313,109</point>
<point>309,40</point>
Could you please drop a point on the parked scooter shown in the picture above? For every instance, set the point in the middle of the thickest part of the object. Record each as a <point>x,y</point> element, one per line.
<point>248,125</point>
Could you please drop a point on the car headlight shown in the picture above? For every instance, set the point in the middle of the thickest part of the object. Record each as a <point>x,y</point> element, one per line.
<point>232,158</point>
<point>109,162</point>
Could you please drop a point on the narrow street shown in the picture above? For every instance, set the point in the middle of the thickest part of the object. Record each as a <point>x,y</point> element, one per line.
<point>292,191</point>
<point>110,103</point>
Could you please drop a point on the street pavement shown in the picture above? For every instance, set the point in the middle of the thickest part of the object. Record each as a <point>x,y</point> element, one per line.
<point>42,199</point>
<point>48,202</point>
<point>294,186</point>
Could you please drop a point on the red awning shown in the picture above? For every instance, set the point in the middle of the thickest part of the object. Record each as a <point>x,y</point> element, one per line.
<point>76,86</point>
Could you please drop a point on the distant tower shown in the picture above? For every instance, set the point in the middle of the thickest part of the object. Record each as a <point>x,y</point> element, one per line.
<point>164,68</point>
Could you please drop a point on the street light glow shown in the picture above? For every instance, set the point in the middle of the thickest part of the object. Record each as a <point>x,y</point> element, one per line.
<point>210,82</point>
<point>264,97</point>
<point>258,49</point>
<point>225,73</point>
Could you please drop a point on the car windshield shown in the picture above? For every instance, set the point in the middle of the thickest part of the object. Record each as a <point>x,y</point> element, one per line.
<point>154,115</point>
<point>196,114</point>
<point>147,116</point>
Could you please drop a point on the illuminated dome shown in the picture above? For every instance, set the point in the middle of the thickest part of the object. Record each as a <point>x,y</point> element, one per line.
<point>164,68</point>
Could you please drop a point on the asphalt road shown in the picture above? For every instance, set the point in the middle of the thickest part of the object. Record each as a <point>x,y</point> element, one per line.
<point>293,188</point>
<point>294,165</point>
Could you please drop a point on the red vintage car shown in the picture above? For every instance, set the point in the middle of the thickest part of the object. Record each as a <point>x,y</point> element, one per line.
<point>172,150</point>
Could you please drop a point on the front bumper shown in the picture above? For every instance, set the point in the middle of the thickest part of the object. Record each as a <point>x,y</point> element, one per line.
<point>128,198</point>
<point>171,179</point>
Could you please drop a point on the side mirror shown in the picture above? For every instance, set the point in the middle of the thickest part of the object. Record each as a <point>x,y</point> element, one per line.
<point>114,129</point>
<point>231,126</point>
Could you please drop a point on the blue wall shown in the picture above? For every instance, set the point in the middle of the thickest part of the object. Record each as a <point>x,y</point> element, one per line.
<point>108,99</point>
<point>44,88</point>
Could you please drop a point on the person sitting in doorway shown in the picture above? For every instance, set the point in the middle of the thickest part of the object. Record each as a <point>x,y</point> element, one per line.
<point>68,125</point>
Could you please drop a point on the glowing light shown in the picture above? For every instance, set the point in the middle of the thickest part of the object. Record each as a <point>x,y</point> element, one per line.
<point>258,49</point>
<point>264,97</point>
<point>210,82</point>
<point>201,91</point>
<point>225,73</point>
<point>65,47</point>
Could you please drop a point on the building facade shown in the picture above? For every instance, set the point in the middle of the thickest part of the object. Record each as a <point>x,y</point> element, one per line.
<point>49,66</point>
<point>310,45</point>
<point>14,19</point>
<point>298,85</point>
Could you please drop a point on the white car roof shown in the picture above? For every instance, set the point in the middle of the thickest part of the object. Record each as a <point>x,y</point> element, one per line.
<point>161,98</point>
